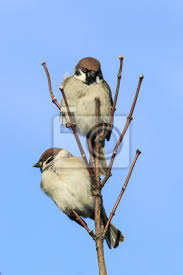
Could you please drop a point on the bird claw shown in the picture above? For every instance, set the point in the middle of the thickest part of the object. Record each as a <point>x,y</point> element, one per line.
<point>100,235</point>
<point>69,124</point>
<point>99,139</point>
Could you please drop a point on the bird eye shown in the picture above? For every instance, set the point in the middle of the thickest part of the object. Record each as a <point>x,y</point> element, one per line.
<point>84,70</point>
<point>92,74</point>
<point>49,159</point>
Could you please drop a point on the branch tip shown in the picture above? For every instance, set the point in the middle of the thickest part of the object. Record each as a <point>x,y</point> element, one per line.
<point>54,100</point>
<point>121,57</point>
<point>138,152</point>
<point>113,108</point>
<point>141,76</point>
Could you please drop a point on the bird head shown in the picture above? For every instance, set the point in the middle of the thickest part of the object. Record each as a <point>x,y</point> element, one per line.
<point>88,70</point>
<point>46,158</point>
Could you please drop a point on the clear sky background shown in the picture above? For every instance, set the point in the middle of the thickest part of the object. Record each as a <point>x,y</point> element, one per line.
<point>35,237</point>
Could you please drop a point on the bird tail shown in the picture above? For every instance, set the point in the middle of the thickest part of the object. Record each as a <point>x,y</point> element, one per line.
<point>102,158</point>
<point>113,236</point>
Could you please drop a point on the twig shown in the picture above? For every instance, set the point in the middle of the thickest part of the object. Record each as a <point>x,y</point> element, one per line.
<point>129,119</point>
<point>117,90</point>
<point>97,164</point>
<point>118,83</point>
<point>90,232</point>
<point>54,100</point>
<point>102,137</point>
<point>99,237</point>
<point>73,126</point>
<point>98,199</point>
<point>136,95</point>
<point>121,193</point>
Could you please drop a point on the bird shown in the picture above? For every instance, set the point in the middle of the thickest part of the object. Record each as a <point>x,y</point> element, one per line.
<point>66,181</point>
<point>81,89</point>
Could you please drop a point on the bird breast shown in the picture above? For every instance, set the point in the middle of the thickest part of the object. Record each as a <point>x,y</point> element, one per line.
<point>81,100</point>
<point>69,186</point>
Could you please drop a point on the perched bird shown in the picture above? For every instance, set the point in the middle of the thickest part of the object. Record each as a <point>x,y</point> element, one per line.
<point>66,180</point>
<point>81,89</point>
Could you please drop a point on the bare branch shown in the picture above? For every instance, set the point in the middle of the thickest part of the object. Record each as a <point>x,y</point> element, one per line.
<point>54,100</point>
<point>121,193</point>
<point>99,237</point>
<point>129,118</point>
<point>90,232</point>
<point>98,199</point>
<point>116,93</point>
<point>118,83</point>
<point>97,164</point>
<point>103,136</point>
<point>136,95</point>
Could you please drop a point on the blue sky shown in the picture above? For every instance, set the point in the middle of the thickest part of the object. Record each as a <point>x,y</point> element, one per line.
<point>36,238</point>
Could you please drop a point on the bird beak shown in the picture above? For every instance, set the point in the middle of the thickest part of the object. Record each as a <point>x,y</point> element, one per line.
<point>38,164</point>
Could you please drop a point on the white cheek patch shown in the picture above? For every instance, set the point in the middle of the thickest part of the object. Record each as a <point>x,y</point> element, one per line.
<point>98,80</point>
<point>81,77</point>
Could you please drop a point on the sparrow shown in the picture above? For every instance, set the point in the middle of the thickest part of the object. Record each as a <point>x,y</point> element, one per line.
<point>81,89</point>
<point>66,181</point>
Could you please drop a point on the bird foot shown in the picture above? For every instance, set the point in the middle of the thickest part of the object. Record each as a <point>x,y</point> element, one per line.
<point>99,236</point>
<point>70,125</point>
